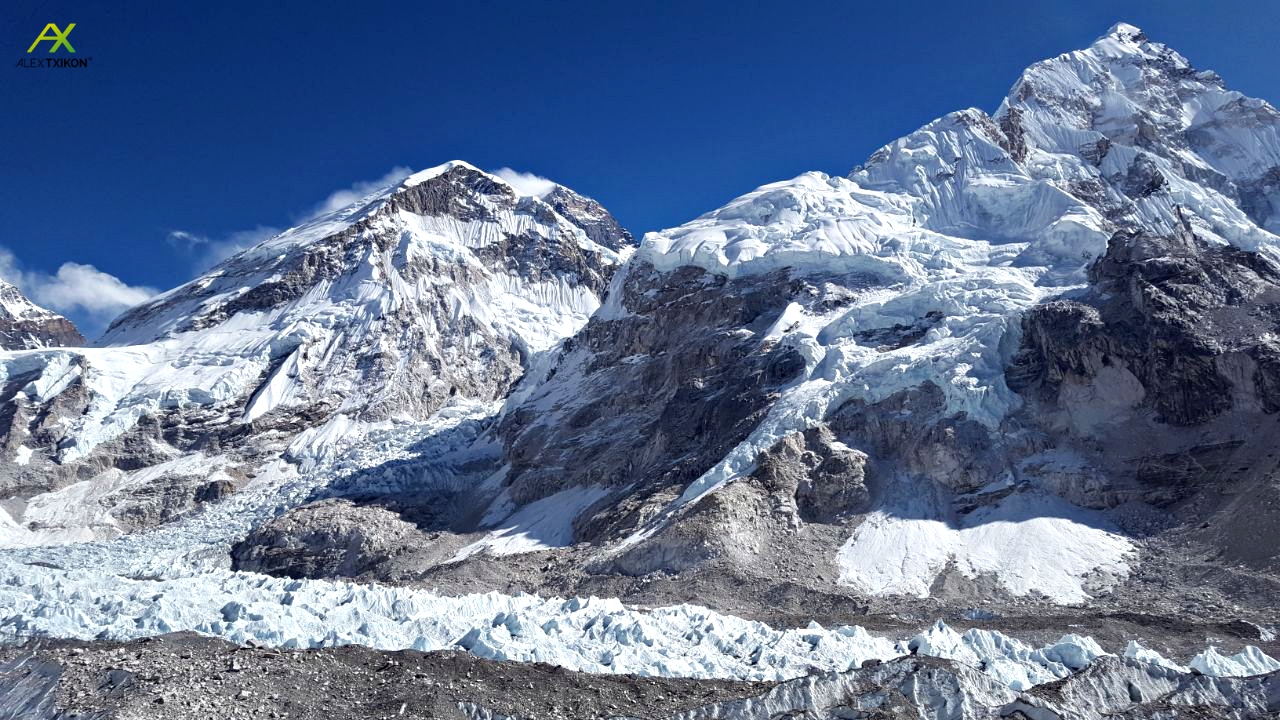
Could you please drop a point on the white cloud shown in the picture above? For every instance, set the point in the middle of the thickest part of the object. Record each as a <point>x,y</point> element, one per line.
<point>525,183</point>
<point>346,196</point>
<point>87,295</point>
<point>86,288</point>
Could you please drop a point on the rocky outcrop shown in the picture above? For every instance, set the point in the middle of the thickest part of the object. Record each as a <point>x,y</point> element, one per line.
<point>27,326</point>
<point>641,402</point>
<point>591,216</point>
<point>1159,378</point>
<point>1193,325</point>
<point>330,538</point>
<point>822,477</point>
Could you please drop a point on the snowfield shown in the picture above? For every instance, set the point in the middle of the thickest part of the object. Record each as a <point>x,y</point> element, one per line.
<point>1029,543</point>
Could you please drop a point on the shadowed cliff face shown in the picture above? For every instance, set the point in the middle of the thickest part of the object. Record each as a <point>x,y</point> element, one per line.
<point>1194,325</point>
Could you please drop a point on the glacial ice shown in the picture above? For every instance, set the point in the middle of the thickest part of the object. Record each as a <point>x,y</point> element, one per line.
<point>589,634</point>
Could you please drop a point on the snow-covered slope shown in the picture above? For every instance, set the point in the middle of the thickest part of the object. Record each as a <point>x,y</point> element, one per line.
<point>437,290</point>
<point>27,326</point>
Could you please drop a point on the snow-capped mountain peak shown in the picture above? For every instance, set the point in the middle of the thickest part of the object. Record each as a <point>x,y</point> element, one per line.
<point>437,290</point>
<point>1125,32</point>
<point>989,369</point>
<point>26,326</point>
<point>893,298</point>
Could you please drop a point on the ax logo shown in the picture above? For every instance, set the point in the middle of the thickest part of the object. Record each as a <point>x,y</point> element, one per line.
<point>58,38</point>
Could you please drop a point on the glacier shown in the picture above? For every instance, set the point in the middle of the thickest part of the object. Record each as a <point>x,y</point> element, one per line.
<point>587,634</point>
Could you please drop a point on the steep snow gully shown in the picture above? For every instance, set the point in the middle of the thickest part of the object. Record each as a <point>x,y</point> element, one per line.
<point>975,217</point>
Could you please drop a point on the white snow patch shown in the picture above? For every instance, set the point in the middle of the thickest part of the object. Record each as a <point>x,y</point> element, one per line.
<point>1030,543</point>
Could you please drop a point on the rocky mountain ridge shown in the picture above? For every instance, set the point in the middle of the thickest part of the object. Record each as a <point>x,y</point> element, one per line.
<point>438,291</point>
<point>27,326</point>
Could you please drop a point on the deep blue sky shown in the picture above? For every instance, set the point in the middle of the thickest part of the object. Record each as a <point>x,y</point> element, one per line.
<point>221,117</point>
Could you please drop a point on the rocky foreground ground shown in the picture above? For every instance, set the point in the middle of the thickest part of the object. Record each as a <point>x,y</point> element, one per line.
<point>185,676</point>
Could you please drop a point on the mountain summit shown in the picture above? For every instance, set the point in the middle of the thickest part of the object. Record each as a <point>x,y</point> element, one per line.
<point>27,326</point>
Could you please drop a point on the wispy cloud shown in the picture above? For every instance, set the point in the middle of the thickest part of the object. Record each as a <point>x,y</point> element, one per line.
<point>209,251</point>
<point>525,183</point>
<point>358,191</point>
<point>87,295</point>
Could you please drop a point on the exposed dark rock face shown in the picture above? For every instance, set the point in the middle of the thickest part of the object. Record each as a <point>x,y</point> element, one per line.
<point>30,334</point>
<point>1162,374</point>
<point>1141,180</point>
<point>26,326</point>
<point>913,432</point>
<point>643,404</point>
<point>166,499</point>
<point>1261,199</point>
<point>1194,325</point>
<point>39,426</point>
<point>591,216</point>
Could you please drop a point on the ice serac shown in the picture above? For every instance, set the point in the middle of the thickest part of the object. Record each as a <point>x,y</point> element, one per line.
<point>923,687</point>
<point>438,290</point>
<point>27,326</point>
